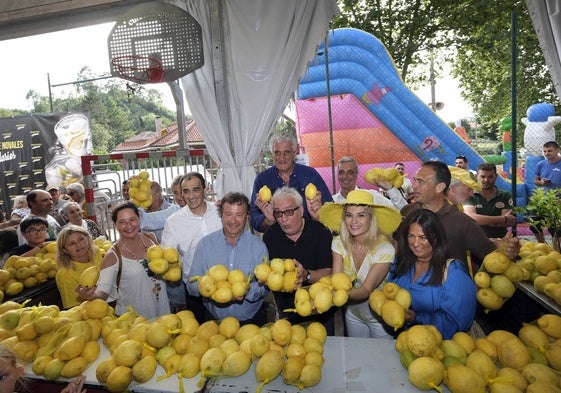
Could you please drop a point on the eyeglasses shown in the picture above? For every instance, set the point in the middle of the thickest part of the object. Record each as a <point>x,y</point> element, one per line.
<point>287,212</point>
<point>34,231</point>
<point>71,193</point>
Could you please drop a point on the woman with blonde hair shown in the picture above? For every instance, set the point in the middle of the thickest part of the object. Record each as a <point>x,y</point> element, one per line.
<point>20,209</point>
<point>75,253</point>
<point>363,251</point>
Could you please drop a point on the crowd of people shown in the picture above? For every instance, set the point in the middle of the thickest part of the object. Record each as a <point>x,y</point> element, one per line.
<point>429,236</point>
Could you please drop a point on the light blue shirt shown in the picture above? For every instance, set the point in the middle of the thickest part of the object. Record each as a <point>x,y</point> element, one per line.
<point>155,221</point>
<point>249,251</point>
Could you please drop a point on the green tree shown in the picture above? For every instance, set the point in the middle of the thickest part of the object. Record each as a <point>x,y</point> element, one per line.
<point>470,35</point>
<point>117,110</point>
<point>483,65</point>
<point>410,30</point>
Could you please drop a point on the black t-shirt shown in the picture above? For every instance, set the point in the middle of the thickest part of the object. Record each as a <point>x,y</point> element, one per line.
<point>312,250</point>
<point>20,250</point>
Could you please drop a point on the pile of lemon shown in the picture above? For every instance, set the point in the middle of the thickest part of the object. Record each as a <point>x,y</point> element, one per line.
<point>496,280</point>
<point>57,343</point>
<point>501,362</point>
<point>543,267</point>
<point>27,272</point>
<point>222,285</point>
<point>319,297</point>
<point>183,347</point>
<point>140,190</point>
<point>164,261</point>
<point>374,175</point>
<point>102,245</point>
<point>390,303</point>
<point>279,275</point>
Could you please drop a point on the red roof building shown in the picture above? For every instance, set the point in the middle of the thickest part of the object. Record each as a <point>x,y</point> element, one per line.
<point>166,139</point>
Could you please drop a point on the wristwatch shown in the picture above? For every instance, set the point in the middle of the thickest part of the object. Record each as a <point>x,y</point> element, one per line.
<point>308,276</point>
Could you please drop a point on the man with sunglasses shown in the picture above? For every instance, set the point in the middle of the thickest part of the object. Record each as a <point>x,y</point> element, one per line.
<point>304,240</point>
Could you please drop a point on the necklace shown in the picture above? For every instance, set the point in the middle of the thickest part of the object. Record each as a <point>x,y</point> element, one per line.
<point>129,250</point>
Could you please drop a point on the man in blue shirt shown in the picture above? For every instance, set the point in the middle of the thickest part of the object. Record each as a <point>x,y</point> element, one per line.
<point>548,176</point>
<point>285,172</point>
<point>235,248</point>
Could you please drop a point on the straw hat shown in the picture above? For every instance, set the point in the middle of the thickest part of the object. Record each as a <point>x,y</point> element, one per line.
<point>331,213</point>
<point>466,177</point>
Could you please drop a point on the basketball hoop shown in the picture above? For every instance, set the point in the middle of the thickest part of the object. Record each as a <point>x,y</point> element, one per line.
<point>139,69</point>
<point>155,42</point>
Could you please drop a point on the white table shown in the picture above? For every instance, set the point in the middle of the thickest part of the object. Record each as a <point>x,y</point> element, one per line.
<point>351,365</point>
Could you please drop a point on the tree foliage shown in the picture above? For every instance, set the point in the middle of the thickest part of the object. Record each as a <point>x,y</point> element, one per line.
<point>472,36</point>
<point>484,64</point>
<point>117,110</point>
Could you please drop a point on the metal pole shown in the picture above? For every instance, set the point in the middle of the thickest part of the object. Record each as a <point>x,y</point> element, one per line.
<point>50,93</point>
<point>180,109</point>
<point>513,110</point>
<point>331,143</point>
<point>432,83</point>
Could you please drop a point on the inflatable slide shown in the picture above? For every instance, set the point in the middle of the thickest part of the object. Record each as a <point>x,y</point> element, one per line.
<point>375,117</point>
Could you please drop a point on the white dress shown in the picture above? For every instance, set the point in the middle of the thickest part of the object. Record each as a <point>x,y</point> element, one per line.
<point>147,295</point>
<point>360,311</point>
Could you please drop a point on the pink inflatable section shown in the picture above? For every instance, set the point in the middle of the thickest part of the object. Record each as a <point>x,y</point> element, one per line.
<point>356,132</point>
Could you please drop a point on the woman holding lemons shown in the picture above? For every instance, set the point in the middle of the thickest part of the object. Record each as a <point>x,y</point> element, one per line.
<point>442,292</point>
<point>363,250</point>
<point>75,253</point>
<point>125,276</point>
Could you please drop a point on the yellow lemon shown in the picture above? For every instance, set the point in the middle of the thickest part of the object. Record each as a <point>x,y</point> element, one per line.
<point>155,251</point>
<point>310,191</point>
<point>171,254</point>
<point>265,194</point>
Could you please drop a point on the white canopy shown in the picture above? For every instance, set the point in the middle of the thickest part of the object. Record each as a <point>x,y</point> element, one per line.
<point>546,17</point>
<point>255,52</point>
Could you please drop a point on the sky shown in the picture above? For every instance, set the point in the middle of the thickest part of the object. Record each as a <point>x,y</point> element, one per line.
<point>27,61</point>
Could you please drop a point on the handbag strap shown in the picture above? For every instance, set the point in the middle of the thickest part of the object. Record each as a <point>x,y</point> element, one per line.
<point>120,259</point>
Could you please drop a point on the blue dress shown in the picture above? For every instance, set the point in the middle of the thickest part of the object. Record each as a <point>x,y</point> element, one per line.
<point>450,307</point>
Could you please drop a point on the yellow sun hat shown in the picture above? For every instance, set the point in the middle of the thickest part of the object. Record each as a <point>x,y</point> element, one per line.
<point>331,213</point>
<point>466,177</point>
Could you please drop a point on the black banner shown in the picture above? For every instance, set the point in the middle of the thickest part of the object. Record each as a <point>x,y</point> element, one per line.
<point>40,149</point>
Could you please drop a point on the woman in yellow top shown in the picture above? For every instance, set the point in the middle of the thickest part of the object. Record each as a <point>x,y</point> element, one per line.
<point>75,253</point>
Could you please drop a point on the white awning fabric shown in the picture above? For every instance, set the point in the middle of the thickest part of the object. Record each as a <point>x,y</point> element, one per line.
<point>546,17</point>
<point>254,57</point>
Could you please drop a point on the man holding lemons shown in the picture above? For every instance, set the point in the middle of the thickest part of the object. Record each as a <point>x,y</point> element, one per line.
<point>285,172</point>
<point>237,249</point>
<point>305,241</point>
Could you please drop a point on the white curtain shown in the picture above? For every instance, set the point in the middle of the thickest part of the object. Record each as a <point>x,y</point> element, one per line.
<point>266,48</point>
<point>546,17</point>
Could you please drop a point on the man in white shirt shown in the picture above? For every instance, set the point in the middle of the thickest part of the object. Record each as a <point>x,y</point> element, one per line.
<point>40,204</point>
<point>186,227</point>
<point>347,174</point>
<point>406,188</point>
